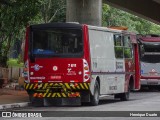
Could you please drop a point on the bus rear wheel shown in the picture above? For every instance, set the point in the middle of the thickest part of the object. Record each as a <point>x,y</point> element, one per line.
<point>95,97</point>
<point>36,102</point>
<point>125,96</point>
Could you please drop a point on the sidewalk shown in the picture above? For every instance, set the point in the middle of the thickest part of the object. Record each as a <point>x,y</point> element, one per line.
<point>13,98</point>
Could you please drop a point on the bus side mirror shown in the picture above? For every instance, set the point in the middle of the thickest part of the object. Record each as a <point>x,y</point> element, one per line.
<point>142,51</point>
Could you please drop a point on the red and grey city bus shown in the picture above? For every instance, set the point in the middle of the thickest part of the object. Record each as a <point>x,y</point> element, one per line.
<point>150,61</point>
<point>77,63</point>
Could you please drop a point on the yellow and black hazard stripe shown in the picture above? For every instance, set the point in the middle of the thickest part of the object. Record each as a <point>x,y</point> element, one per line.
<point>57,95</point>
<point>77,86</point>
<point>65,86</point>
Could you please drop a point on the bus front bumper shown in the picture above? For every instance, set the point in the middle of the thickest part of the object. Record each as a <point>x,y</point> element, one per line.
<point>56,90</point>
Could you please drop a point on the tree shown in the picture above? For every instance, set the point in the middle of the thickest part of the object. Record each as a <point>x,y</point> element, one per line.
<point>14,16</point>
<point>53,11</point>
<point>116,17</point>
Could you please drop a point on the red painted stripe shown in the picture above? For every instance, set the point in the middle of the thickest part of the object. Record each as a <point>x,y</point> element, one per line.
<point>150,77</point>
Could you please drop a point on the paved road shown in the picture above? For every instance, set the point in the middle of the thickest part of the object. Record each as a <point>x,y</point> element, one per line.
<point>139,101</point>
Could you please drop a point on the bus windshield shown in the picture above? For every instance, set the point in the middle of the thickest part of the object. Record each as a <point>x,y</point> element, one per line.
<point>150,52</point>
<point>56,42</point>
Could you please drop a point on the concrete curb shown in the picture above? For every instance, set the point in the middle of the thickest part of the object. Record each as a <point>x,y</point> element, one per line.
<point>14,105</point>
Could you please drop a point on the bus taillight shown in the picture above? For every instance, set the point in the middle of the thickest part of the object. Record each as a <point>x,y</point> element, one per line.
<point>86,74</point>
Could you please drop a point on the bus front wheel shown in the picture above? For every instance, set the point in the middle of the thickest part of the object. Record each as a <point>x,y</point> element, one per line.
<point>125,96</point>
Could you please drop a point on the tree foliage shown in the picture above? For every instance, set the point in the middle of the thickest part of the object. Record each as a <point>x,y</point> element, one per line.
<point>15,15</point>
<point>116,17</point>
<point>53,11</point>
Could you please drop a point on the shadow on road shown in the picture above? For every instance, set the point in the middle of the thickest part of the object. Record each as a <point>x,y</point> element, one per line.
<point>150,89</point>
<point>109,101</point>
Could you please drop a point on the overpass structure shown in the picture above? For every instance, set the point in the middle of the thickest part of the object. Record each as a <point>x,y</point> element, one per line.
<point>84,11</point>
<point>90,11</point>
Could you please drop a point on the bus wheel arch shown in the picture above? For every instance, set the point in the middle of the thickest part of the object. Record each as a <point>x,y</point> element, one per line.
<point>131,83</point>
<point>94,97</point>
<point>98,80</point>
<point>93,81</point>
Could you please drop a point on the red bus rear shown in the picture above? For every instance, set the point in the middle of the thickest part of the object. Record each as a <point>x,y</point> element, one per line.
<point>75,63</point>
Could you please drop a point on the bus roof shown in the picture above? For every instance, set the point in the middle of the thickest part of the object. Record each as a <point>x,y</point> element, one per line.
<point>77,25</point>
<point>119,27</point>
<point>150,39</point>
<point>114,30</point>
<point>56,25</point>
<point>104,29</point>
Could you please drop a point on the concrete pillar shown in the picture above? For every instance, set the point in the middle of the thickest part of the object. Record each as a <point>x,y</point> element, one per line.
<point>84,11</point>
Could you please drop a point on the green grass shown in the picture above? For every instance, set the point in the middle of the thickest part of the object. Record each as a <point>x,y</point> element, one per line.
<point>14,63</point>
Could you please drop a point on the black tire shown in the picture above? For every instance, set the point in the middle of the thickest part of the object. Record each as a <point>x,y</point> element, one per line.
<point>158,88</point>
<point>125,96</point>
<point>151,87</point>
<point>30,94</point>
<point>31,98</point>
<point>36,102</point>
<point>95,98</point>
<point>116,96</point>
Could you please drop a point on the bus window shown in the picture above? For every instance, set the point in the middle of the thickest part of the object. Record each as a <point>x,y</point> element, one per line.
<point>118,46</point>
<point>123,47</point>
<point>127,47</point>
<point>57,42</point>
<point>150,52</point>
